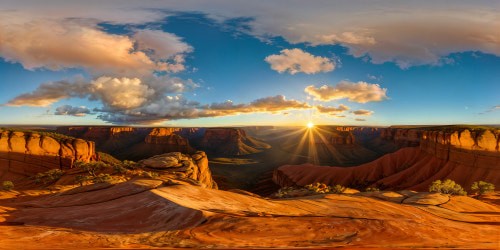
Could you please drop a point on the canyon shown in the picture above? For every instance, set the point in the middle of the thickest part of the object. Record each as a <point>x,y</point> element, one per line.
<point>175,195</point>
<point>424,156</point>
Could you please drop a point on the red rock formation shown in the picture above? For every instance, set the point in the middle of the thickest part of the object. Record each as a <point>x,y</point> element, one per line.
<point>230,141</point>
<point>408,168</point>
<point>25,153</point>
<point>342,138</point>
<point>194,167</point>
<point>167,136</point>
<point>462,156</point>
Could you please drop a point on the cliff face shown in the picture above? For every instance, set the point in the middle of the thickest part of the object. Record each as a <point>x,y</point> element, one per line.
<point>463,156</point>
<point>24,154</point>
<point>342,139</point>
<point>168,136</point>
<point>230,141</point>
<point>193,167</point>
<point>134,143</point>
<point>97,134</point>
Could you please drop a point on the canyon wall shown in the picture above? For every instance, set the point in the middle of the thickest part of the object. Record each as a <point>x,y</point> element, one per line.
<point>230,141</point>
<point>425,155</point>
<point>24,154</point>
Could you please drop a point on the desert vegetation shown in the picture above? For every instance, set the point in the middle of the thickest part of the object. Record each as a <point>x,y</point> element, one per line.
<point>482,187</point>
<point>447,187</point>
<point>7,185</point>
<point>48,177</point>
<point>310,189</point>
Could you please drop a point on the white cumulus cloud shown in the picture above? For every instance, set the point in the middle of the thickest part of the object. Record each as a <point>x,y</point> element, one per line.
<point>296,60</point>
<point>361,92</point>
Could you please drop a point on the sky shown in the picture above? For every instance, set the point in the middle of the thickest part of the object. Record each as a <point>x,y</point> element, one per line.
<point>233,63</point>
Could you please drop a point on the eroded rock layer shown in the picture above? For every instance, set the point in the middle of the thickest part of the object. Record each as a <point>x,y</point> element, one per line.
<point>462,156</point>
<point>193,167</point>
<point>231,141</point>
<point>24,154</point>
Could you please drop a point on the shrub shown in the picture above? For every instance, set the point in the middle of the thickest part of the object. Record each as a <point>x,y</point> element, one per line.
<point>311,189</point>
<point>82,179</point>
<point>49,177</point>
<point>447,187</point>
<point>117,168</point>
<point>92,167</point>
<point>129,164</point>
<point>482,187</point>
<point>7,185</point>
<point>101,178</point>
<point>372,189</point>
<point>150,174</point>
<point>107,158</point>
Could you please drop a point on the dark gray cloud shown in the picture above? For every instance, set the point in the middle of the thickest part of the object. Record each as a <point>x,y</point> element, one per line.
<point>72,110</point>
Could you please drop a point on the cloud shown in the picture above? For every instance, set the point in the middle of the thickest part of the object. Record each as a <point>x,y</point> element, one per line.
<point>296,60</point>
<point>177,107</point>
<point>60,44</point>
<point>360,119</point>
<point>72,110</point>
<point>492,109</point>
<point>361,92</point>
<point>131,100</point>
<point>332,110</point>
<point>50,92</point>
<point>362,112</point>
<point>120,93</point>
<point>114,93</point>
<point>406,33</point>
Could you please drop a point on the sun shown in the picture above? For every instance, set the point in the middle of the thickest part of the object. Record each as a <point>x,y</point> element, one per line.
<point>310,125</point>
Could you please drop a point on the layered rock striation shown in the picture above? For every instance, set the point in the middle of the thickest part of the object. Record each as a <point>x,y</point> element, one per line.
<point>24,154</point>
<point>193,167</point>
<point>231,141</point>
<point>426,155</point>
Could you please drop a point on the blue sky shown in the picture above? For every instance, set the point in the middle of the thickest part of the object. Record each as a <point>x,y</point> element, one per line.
<point>179,64</point>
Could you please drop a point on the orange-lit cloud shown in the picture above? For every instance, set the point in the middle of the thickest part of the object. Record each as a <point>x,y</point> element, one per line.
<point>296,60</point>
<point>60,44</point>
<point>332,110</point>
<point>362,112</point>
<point>115,93</point>
<point>361,92</point>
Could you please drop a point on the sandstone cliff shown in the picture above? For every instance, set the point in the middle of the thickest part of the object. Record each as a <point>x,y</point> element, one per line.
<point>193,167</point>
<point>231,141</point>
<point>463,156</point>
<point>24,154</point>
<point>131,143</point>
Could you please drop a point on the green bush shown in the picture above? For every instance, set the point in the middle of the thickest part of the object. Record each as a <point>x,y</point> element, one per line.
<point>119,169</point>
<point>447,187</point>
<point>92,167</point>
<point>101,178</point>
<point>7,185</point>
<point>49,177</point>
<point>129,164</point>
<point>82,179</point>
<point>372,189</point>
<point>311,189</point>
<point>482,187</point>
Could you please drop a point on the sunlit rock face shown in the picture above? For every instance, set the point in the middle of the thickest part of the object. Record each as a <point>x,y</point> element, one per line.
<point>461,155</point>
<point>193,167</point>
<point>26,153</point>
<point>168,136</point>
